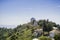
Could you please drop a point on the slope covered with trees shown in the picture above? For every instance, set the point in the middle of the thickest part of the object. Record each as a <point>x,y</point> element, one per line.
<point>25,31</point>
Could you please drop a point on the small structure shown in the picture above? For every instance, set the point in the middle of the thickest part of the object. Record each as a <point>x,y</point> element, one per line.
<point>33,19</point>
<point>34,22</point>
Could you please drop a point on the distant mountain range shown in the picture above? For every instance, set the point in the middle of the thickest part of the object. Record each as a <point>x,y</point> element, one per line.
<point>8,26</point>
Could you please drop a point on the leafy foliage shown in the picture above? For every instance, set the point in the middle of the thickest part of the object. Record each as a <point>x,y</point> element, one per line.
<point>57,37</point>
<point>25,31</point>
<point>44,38</point>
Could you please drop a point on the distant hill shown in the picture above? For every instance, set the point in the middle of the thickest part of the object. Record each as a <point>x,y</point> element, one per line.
<point>8,26</point>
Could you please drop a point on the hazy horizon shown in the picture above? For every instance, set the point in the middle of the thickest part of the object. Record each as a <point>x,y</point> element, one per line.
<point>15,12</point>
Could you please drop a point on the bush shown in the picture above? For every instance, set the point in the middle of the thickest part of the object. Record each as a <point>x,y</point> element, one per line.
<point>57,37</point>
<point>44,38</point>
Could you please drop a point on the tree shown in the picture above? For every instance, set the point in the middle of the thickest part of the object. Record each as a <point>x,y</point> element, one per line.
<point>49,27</point>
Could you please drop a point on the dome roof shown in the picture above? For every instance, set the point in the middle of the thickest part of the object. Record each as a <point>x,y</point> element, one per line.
<point>32,18</point>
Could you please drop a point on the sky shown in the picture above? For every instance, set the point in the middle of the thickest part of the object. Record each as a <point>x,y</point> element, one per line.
<point>15,12</point>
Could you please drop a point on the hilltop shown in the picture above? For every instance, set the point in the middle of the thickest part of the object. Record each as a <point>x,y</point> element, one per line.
<point>27,31</point>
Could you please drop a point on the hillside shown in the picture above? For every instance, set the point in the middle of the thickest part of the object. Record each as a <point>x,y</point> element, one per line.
<point>26,31</point>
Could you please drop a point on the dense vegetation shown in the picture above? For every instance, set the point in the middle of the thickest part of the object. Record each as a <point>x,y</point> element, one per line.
<point>25,31</point>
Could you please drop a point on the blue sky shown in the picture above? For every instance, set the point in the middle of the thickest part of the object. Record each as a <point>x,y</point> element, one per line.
<point>15,12</point>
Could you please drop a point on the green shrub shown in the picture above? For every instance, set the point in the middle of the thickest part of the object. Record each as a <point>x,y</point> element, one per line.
<point>44,38</point>
<point>57,37</point>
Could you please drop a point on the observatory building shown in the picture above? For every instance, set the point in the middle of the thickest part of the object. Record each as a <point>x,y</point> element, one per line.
<point>34,22</point>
